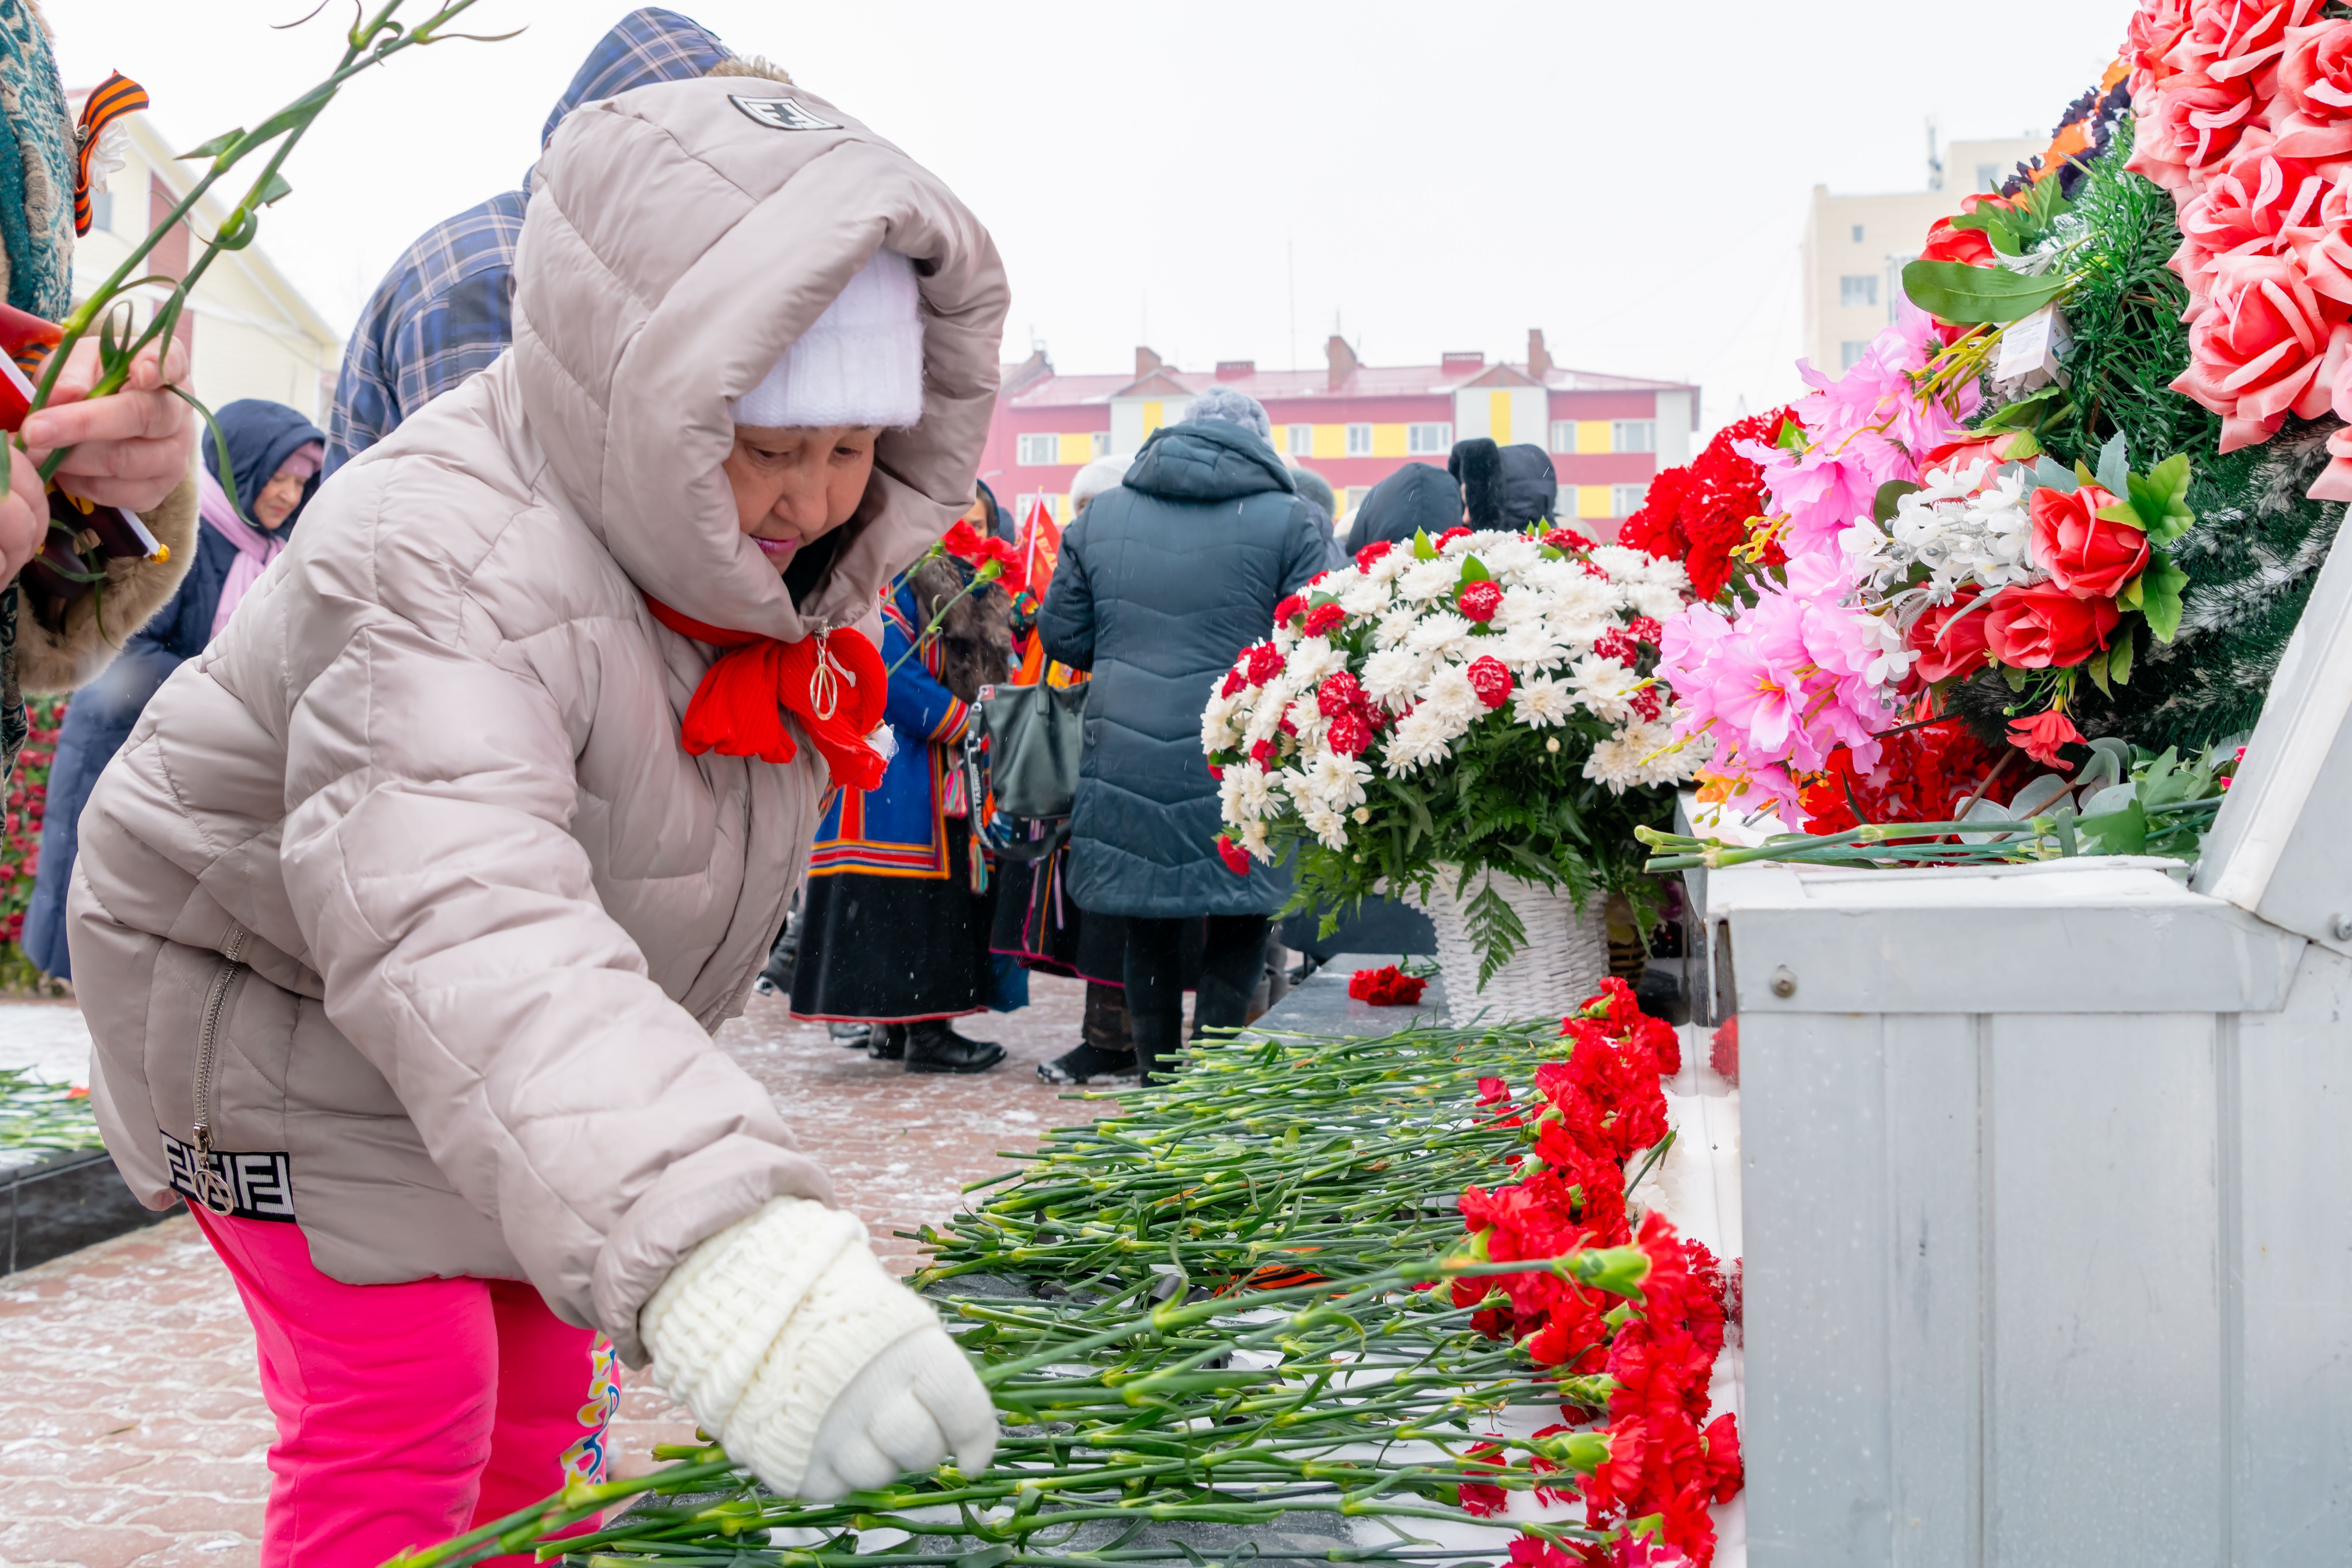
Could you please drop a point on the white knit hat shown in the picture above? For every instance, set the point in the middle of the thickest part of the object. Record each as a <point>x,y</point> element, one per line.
<point>861,363</point>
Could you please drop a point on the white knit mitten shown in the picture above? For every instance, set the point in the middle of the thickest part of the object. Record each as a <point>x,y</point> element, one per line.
<point>787,1339</point>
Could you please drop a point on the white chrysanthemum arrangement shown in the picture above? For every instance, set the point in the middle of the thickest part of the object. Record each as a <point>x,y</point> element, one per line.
<point>1480,700</point>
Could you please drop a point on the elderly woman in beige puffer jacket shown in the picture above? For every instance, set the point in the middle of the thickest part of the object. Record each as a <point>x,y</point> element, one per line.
<point>404,916</point>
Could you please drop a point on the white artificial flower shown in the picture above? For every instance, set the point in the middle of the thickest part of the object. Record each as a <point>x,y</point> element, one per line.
<point>1417,740</point>
<point>1301,789</point>
<point>1390,567</point>
<point>1509,554</point>
<point>1525,649</point>
<point>1440,632</point>
<point>1393,676</point>
<point>1656,600</point>
<point>1541,702</point>
<point>1364,596</point>
<point>1450,697</point>
<point>1265,723</point>
<point>1663,758</point>
<point>1328,826</point>
<point>1306,721</point>
<point>1395,626</point>
<point>1584,609</point>
<point>1616,762</point>
<point>1340,781</point>
<point>1428,580</point>
<point>1622,564</point>
<point>1252,838</point>
<point>1604,685</point>
<point>1241,793</point>
<point>1218,732</point>
<point>1314,659</point>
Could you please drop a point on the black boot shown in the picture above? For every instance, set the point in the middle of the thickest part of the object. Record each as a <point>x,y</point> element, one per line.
<point>1089,1064</point>
<point>887,1043</point>
<point>1158,1044</point>
<point>932,1047</point>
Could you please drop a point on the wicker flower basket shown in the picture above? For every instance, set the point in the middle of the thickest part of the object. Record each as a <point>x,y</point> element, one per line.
<point>1566,955</point>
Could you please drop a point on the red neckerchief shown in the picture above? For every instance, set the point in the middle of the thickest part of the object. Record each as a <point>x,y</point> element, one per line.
<point>834,683</point>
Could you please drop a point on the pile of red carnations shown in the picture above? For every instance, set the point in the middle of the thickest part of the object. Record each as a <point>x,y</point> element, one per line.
<point>1589,1117</point>
<point>1387,986</point>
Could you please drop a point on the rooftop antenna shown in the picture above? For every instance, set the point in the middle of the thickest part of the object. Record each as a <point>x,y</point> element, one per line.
<point>1935,162</point>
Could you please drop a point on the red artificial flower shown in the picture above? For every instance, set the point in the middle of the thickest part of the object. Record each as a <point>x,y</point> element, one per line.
<point>1387,986</point>
<point>1235,857</point>
<point>1371,552</point>
<point>1950,638</point>
<point>1647,703</point>
<point>1646,628</point>
<point>1236,682</point>
<point>1323,618</point>
<point>1450,534</point>
<point>2084,553</point>
<point>1698,514</point>
<point>2045,627</point>
<point>1263,754</point>
<point>2041,736</point>
<point>1490,679</point>
<point>1921,776</point>
<point>1722,1049</point>
<point>1480,600</point>
<point>1618,643</point>
<point>1289,610</point>
<point>1264,663</point>
<point>1215,771</point>
<point>1567,539</point>
<point>1350,735</point>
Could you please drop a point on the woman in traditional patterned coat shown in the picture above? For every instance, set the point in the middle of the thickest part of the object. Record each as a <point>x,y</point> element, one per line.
<point>895,930</point>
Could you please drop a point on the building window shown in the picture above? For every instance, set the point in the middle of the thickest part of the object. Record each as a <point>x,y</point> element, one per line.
<point>1299,440</point>
<point>1857,234</point>
<point>1851,350</point>
<point>1854,291</point>
<point>1102,443</point>
<point>101,212</point>
<point>1355,496</point>
<point>1360,441</point>
<point>1423,440</point>
<point>1633,436</point>
<point>1039,451</point>
<point>1624,500</point>
<point>1989,176</point>
<point>1563,434</point>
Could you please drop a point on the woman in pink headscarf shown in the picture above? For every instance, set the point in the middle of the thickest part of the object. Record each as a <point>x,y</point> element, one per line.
<point>273,463</point>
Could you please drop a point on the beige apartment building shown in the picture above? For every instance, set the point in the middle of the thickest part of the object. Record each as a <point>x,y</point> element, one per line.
<point>1856,247</point>
<point>249,331</point>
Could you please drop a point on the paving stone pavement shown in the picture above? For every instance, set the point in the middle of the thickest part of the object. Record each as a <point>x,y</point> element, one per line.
<point>131,1427</point>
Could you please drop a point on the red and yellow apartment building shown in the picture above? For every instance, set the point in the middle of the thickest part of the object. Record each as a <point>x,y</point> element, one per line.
<point>1355,423</point>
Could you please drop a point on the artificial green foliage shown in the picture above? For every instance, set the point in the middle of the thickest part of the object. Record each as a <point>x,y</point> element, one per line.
<point>2255,544</point>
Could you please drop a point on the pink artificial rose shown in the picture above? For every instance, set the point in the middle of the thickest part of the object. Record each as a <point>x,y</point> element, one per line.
<point>2156,28</point>
<point>2193,123</point>
<point>2255,200</point>
<point>2256,348</point>
<point>2314,92</point>
<point>2230,40</point>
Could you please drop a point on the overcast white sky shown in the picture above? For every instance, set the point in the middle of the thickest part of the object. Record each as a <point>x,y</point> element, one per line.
<point>1631,178</point>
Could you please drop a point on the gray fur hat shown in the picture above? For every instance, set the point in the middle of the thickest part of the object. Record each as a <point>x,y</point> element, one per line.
<point>1233,407</point>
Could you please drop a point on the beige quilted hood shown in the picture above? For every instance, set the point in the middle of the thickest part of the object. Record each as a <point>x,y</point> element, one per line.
<point>403,916</point>
<point>637,324</point>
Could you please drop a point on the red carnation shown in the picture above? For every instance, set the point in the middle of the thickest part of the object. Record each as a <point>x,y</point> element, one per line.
<point>1371,552</point>
<point>1338,694</point>
<point>1289,610</point>
<point>1387,986</point>
<point>1490,681</point>
<point>1265,664</point>
<point>1236,860</point>
<point>1617,643</point>
<point>1646,628</point>
<point>1450,534</point>
<point>1262,754</point>
<point>1350,735</point>
<point>1480,600</point>
<point>1567,539</point>
<point>1646,702</point>
<point>1235,683</point>
<point>1323,618</point>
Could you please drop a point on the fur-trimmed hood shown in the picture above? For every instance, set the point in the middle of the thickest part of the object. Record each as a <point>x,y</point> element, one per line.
<point>976,638</point>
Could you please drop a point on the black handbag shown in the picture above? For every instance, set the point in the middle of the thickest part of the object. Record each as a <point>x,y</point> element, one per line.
<point>1035,734</point>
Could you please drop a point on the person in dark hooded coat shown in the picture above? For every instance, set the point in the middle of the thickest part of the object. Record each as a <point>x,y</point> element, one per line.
<point>1504,487</point>
<point>1161,585</point>
<point>1419,498</point>
<point>275,454</point>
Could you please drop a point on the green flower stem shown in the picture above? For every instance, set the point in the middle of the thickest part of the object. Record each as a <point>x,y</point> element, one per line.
<point>987,572</point>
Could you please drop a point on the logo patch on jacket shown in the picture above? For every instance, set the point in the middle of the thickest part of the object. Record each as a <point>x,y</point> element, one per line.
<point>781,114</point>
<point>260,1187</point>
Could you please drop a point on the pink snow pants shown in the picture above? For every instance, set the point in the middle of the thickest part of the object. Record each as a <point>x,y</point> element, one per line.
<point>408,1414</point>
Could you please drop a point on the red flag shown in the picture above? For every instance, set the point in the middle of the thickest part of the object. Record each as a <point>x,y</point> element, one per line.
<point>1041,545</point>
